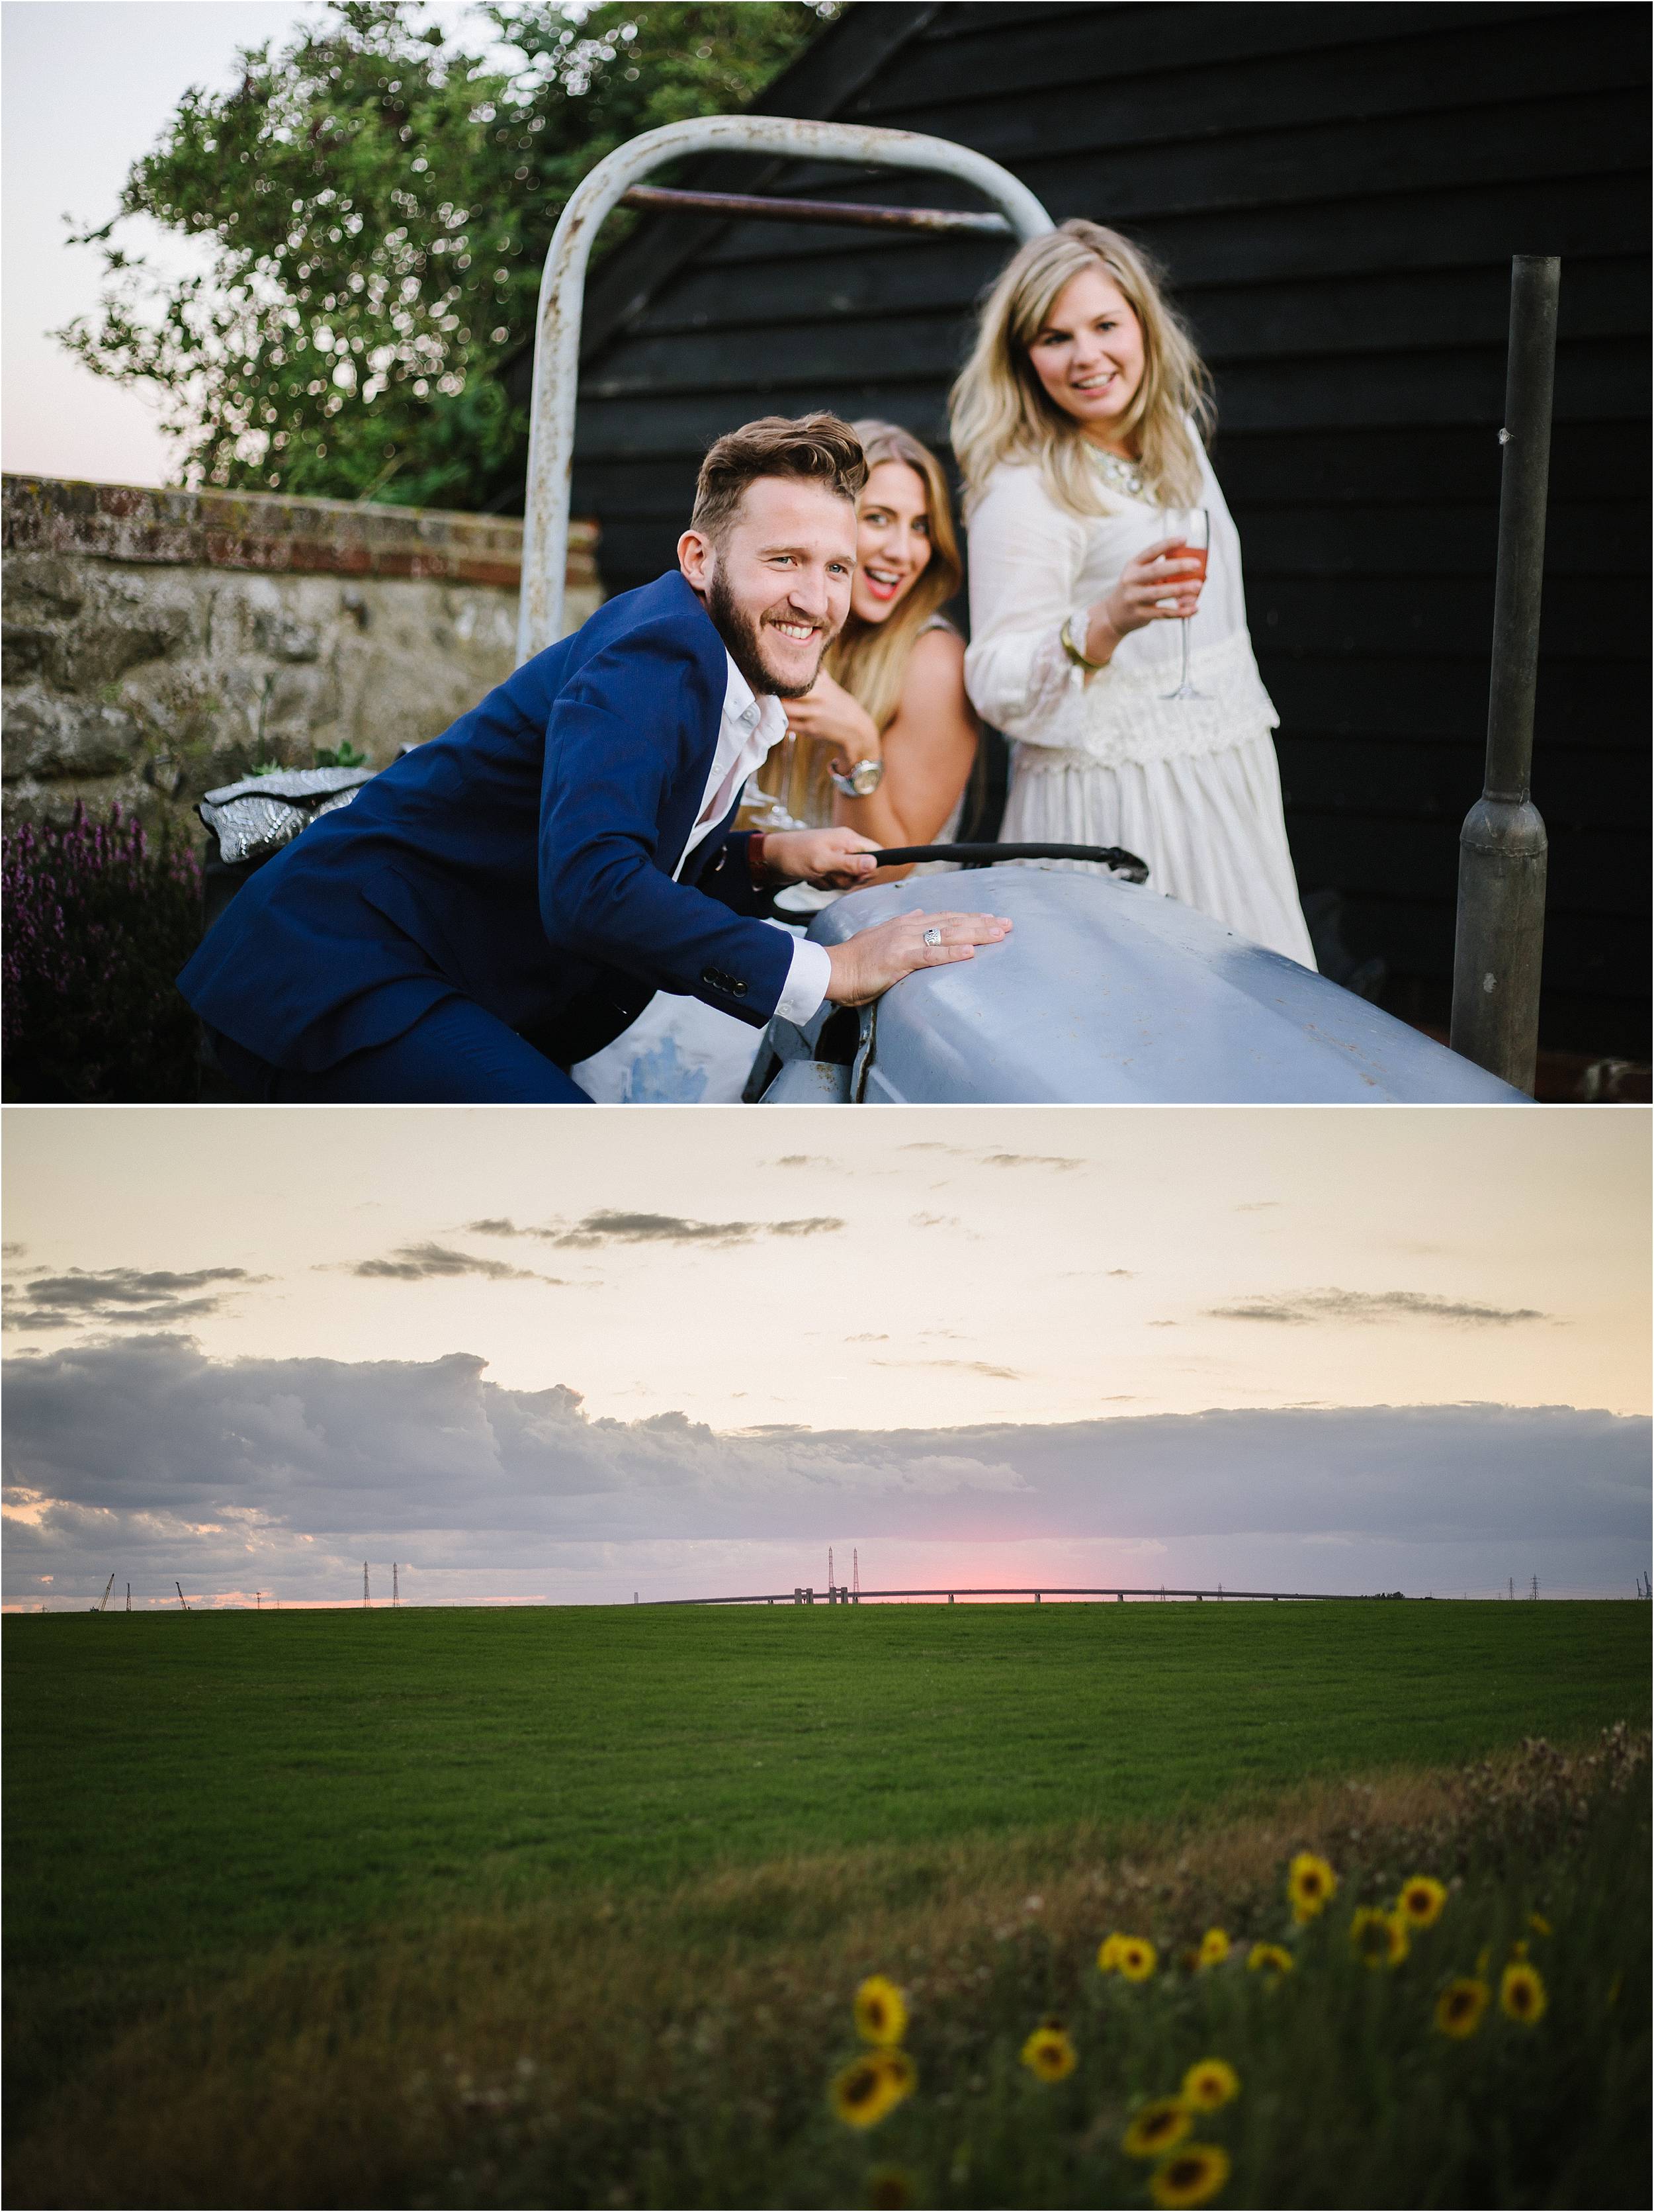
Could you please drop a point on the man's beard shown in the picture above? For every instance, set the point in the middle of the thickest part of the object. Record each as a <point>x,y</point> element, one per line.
<point>743,638</point>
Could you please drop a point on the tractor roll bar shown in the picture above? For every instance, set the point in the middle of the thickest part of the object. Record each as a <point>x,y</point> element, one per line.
<point>557,345</point>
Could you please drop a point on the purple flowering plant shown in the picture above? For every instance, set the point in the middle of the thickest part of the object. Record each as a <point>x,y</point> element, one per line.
<point>99,919</point>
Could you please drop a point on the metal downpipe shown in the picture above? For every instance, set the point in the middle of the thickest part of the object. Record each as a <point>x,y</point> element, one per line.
<point>1500,934</point>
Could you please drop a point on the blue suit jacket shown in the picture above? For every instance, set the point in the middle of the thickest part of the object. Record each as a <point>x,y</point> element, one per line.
<point>524,858</point>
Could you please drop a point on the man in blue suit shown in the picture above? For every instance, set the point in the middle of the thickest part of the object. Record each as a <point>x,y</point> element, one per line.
<point>506,899</point>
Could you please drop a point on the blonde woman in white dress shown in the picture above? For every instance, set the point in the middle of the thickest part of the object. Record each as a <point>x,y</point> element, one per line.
<point>1077,421</point>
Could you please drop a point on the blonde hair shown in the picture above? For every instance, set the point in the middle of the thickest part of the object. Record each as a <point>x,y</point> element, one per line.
<point>1002,411</point>
<point>870,659</point>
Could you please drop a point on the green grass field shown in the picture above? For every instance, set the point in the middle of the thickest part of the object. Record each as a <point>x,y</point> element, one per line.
<point>285,1869</point>
<point>246,1778</point>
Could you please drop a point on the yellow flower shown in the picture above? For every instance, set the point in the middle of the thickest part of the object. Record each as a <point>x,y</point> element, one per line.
<point>889,2189</point>
<point>1540,1925</point>
<point>1159,2127</point>
<point>901,2074</point>
<point>1136,1957</point>
<point>1421,1900</point>
<point>1108,1956</point>
<point>1521,1993</point>
<point>1460,2007</point>
<point>1210,2085</point>
<point>1193,2175</point>
<point>1310,1885</point>
<point>1517,1951</point>
<point>881,2013</point>
<point>1048,2052</point>
<point>1214,1948</point>
<point>862,2092</point>
<point>1270,1958</point>
<point>1378,1937</point>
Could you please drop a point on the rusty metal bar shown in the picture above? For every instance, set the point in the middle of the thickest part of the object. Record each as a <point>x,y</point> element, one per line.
<point>666,200</point>
<point>1503,848</point>
<point>557,348</point>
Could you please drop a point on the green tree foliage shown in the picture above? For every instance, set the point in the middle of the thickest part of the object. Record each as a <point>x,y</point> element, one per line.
<point>372,205</point>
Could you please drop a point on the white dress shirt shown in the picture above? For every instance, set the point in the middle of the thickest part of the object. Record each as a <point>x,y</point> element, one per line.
<point>750,726</point>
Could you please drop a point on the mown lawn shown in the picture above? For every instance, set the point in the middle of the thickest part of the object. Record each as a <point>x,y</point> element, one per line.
<point>183,1787</point>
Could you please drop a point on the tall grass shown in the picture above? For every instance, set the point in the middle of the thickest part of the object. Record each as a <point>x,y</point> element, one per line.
<point>647,2049</point>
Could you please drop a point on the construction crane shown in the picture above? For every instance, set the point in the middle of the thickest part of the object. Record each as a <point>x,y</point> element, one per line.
<point>107,1587</point>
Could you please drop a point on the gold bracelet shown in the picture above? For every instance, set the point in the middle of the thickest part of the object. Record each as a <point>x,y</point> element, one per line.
<point>1073,652</point>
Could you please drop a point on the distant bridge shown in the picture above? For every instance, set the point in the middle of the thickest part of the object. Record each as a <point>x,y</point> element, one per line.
<point>843,1596</point>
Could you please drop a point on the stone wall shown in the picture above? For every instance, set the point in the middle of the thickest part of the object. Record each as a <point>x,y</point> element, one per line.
<point>160,644</point>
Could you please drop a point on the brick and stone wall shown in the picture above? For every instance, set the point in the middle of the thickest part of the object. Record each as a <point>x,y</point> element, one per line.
<point>159,643</point>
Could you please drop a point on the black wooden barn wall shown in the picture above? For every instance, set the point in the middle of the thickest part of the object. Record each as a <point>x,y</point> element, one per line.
<point>1336,192</point>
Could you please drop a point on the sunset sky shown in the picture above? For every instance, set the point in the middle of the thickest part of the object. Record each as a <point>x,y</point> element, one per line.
<point>565,1356</point>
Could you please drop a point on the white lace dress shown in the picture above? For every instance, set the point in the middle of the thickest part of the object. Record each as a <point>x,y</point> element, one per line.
<point>1190,784</point>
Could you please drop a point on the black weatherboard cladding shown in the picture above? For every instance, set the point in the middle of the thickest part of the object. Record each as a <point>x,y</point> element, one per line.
<point>1336,192</point>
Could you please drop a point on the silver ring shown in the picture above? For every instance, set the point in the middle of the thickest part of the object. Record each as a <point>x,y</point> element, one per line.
<point>933,935</point>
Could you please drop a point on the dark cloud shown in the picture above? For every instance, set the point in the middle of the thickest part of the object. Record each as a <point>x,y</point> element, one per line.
<point>424,1263</point>
<point>147,1452</point>
<point>612,1226</point>
<point>1305,1306</point>
<point>133,1296</point>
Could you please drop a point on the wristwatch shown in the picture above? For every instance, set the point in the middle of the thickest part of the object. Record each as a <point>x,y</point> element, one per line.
<point>863,780</point>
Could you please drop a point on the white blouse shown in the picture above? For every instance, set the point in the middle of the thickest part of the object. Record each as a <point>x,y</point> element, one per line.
<point>1190,784</point>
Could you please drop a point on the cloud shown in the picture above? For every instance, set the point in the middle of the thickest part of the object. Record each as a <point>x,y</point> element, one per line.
<point>1060,1161</point>
<point>1057,1160</point>
<point>933,1221</point>
<point>1129,1273</point>
<point>866,1337</point>
<point>612,1226</point>
<point>1333,1305</point>
<point>799,1160</point>
<point>146,1452</point>
<point>424,1263</point>
<point>131,1297</point>
<point>967,1366</point>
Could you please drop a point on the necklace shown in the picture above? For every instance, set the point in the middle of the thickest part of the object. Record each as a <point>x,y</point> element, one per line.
<point>1122,475</point>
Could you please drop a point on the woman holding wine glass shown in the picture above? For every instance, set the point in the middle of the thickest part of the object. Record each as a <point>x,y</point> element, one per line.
<point>1108,638</point>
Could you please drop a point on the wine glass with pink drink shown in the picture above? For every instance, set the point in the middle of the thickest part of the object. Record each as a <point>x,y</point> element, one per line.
<point>1191,527</point>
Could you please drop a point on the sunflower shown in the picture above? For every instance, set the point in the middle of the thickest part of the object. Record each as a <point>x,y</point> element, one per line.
<point>1540,1925</point>
<point>889,2189</point>
<point>1108,1956</point>
<point>1270,1958</point>
<point>1160,2126</point>
<point>1379,1938</point>
<point>881,2013</point>
<point>1193,2175</point>
<point>1048,2052</point>
<point>1521,1993</point>
<point>1211,2084</point>
<point>1136,1957</point>
<point>1422,1901</point>
<point>862,2092</point>
<point>1461,2005</point>
<point>901,2074</point>
<point>1310,1885</point>
<point>1214,1948</point>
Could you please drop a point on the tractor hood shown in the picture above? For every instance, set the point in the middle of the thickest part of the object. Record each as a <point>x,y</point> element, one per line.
<point>1105,993</point>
